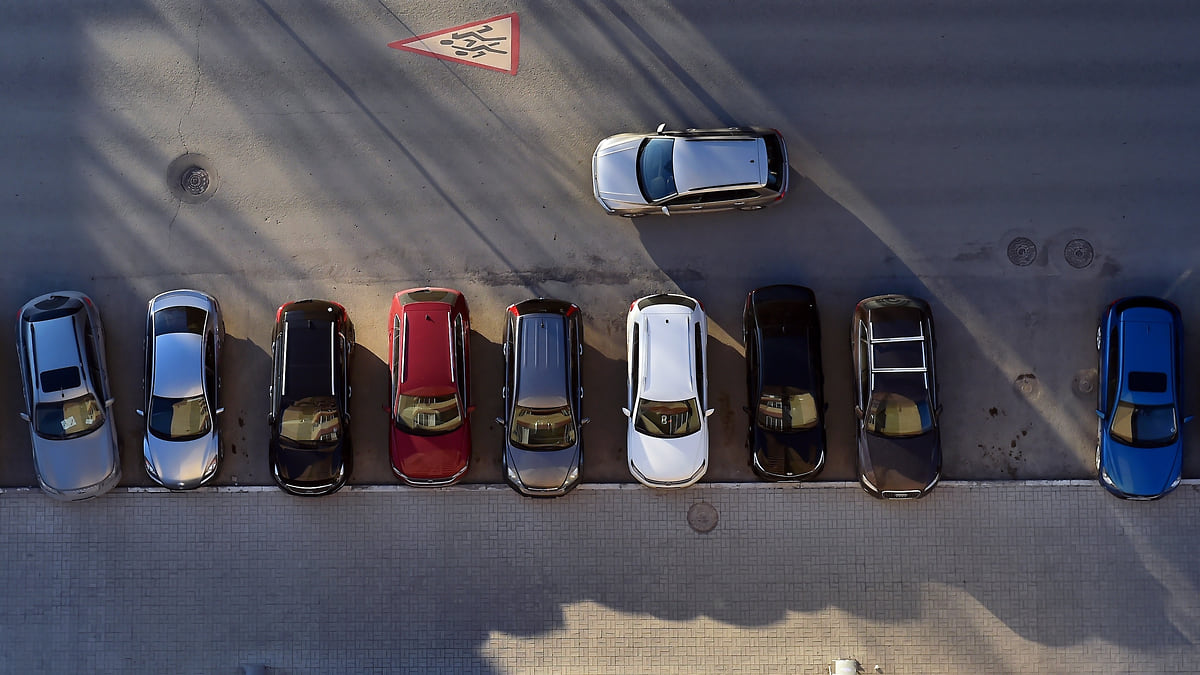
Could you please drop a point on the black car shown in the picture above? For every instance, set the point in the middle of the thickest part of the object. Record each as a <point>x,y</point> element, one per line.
<point>899,444</point>
<point>310,396</point>
<point>784,383</point>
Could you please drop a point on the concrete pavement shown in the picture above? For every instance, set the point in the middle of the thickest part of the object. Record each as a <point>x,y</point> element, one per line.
<point>979,577</point>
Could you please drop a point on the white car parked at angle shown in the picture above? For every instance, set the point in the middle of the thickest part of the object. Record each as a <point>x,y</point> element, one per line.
<point>668,391</point>
<point>181,445</point>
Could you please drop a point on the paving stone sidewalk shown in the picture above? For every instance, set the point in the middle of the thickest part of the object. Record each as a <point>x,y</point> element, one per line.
<point>977,578</point>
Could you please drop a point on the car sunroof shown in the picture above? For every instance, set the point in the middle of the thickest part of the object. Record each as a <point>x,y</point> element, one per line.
<point>1153,383</point>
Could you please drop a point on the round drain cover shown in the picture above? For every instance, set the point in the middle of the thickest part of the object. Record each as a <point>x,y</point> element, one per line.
<point>1079,253</point>
<point>1084,382</point>
<point>192,178</point>
<point>702,517</point>
<point>1022,251</point>
<point>1028,385</point>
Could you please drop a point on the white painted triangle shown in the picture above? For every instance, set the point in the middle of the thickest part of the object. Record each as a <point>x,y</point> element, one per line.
<point>492,43</point>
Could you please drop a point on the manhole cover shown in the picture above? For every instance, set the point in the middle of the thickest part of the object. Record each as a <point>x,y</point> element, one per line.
<point>192,178</point>
<point>1079,253</point>
<point>702,517</point>
<point>1084,382</point>
<point>1022,251</point>
<point>1028,385</point>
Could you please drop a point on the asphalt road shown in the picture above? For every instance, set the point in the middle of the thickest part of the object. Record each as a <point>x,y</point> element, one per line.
<point>924,138</point>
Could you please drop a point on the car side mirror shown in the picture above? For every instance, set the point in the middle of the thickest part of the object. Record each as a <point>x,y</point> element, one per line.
<point>666,211</point>
<point>140,412</point>
<point>271,419</point>
<point>745,408</point>
<point>109,403</point>
<point>585,420</point>
<point>939,411</point>
<point>500,421</point>
<point>1189,418</point>
<point>709,412</point>
<point>858,412</point>
<point>624,410</point>
<point>1100,414</point>
<point>220,410</point>
<point>25,417</point>
<point>660,128</point>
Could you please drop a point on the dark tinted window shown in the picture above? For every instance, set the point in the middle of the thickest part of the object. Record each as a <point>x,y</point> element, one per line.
<point>1151,383</point>
<point>700,364</point>
<point>60,379</point>
<point>775,165</point>
<point>179,320</point>
<point>308,348</point>
<point>656,173</point>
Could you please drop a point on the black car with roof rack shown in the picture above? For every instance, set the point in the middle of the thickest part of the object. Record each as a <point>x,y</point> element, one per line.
<point>310,448</point>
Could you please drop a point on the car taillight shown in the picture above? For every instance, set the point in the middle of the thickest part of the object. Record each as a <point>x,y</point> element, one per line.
<point>632,304</point>
<point>512,309</point>
<point>573,309</point>
<point>279,312</point>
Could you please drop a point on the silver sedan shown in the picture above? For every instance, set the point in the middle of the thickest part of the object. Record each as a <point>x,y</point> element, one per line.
<point>182,445</point>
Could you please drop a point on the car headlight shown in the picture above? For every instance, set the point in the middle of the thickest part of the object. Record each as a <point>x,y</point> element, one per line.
<point>150,469</point>
<point>1175,483</point>
<point>512,474</point>
<point>212,466</point>
<point>572,475</point>
<point>1104,476</point>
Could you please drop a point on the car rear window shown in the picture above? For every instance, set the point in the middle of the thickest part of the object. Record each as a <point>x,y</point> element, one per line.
<point>1150,383</point>
<point>179,320</point>
<point>775,165</point>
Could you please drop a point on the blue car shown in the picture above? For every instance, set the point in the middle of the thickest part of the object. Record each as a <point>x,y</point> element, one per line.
<point>1139,453</point>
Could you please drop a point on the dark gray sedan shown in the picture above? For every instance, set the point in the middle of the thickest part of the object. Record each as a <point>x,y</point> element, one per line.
<point>543,397</point>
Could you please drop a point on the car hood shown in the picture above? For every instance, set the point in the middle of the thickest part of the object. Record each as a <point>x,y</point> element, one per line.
<point>431,458</point>
<point>180,464</point>
<point>77,463</point>
<point>614,169</point>
<point>1141,472</point>
<point>668,460</point>
<point>542,469</point>
<point>302,466</point>
<point>900,464</point>
<point>795,454</point>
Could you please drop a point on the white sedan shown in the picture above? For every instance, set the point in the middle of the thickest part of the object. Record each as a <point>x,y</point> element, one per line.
<point>668,391</point>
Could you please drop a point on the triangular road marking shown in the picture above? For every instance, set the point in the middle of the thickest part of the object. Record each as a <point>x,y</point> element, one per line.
<point>492,43</point>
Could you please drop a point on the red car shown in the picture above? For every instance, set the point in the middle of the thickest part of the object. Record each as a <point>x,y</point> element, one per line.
<point>428,356</point>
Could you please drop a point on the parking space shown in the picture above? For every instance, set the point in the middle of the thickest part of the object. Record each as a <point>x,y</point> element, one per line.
<point>1018,199</point>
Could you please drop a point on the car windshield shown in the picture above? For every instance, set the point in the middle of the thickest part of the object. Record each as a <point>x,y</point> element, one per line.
<point>667,419</point>
<point>542,428</point>
<point>311,420</point>
<point>786,409</point>
<point>428,415</point>
<point>62,420</point>
<point>179,419</point>
<point>656,175</point>
<point>898,415</point>
<point>1144,426</point>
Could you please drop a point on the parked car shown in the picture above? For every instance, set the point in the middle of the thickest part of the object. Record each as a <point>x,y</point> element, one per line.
<point>1139,449</point>
<point>896,397</point>
<point>784,383</point>
<point>310,448</point>
<point>181,440</point>
<point>68,399</point>
<point>429,358</point>
<point>543,397</point>
<point>686,171</point>
<point>668,391</point>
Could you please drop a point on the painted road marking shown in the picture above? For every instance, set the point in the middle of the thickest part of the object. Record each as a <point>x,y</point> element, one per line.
<point>492,43</point>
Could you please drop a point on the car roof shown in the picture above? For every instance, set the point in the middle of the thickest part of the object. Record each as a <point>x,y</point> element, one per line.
<point>178,365</point>
<point>700,163</point>
<point>1148,351</point>
<point>426,340</point>
<point>542,365</point>
<point>308,368</point>
<point>667,367</point>
<point>56,343</point>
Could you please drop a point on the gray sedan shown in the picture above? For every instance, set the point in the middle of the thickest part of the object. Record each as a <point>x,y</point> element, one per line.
<point>68,401</point>
<point>182,445</point>
<point>690,171</point>
<point>543,397</point>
